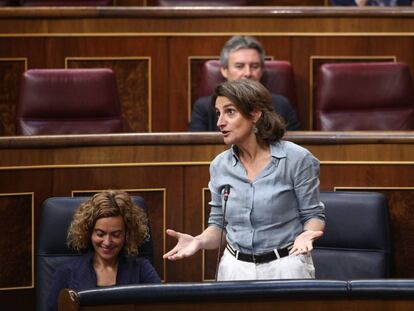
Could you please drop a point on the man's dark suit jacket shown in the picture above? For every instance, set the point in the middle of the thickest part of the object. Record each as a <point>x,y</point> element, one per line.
<point>204,118</point>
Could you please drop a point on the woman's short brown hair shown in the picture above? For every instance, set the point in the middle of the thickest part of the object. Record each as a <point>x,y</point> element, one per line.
<point>249,96</point>
<point>109,203</point>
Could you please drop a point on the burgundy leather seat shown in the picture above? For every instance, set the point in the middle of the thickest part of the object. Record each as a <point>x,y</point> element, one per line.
<point>66,2</point>
<point>364,96</point>
<point>68,101</point>
<point>7,2</point>
<point>198,2</point>
<point>277,77</point>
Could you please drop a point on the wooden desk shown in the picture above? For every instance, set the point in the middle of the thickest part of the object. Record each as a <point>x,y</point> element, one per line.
<point>246,296</point>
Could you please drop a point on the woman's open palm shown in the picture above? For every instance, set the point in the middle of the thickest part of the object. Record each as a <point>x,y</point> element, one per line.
<point>186,246</point>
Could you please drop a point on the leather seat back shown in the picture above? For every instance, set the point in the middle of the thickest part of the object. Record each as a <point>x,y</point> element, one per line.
<point>364,96</point>
<point>68,101</point>
<point>277,77</point>
<point>356,243</point>
<point>66,2</point>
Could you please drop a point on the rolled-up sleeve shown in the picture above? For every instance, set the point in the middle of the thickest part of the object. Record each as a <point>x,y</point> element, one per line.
<point>306,185</point>
<point>216,212</point>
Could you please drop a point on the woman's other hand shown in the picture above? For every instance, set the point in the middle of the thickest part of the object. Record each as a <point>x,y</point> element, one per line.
<point>304,242</point>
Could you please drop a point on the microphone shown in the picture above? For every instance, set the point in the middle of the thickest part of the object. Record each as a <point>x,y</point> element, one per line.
<point>226,194</point>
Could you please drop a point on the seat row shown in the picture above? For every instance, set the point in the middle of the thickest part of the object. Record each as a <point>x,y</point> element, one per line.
<point>213,3</point>
<point>56,2</point>
<point>111,2</point>
<point>356,243</point>
<point>348,96</point>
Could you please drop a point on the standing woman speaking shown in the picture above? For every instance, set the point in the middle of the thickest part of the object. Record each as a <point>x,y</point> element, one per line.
<point>273,213</point>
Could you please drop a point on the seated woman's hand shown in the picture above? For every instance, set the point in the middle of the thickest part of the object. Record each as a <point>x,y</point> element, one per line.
<point>304,242</point>
<point>186,246</point>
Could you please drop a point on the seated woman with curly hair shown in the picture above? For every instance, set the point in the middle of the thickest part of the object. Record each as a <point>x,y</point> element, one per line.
<point>108,228</point>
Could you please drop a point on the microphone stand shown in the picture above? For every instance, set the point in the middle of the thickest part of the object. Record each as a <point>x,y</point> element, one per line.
<point>226,197</point>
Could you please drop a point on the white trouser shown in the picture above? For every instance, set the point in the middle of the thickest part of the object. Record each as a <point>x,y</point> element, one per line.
<point>289,267</point>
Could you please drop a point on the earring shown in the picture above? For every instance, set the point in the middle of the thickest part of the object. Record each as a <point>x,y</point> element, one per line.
<point>255,130</point>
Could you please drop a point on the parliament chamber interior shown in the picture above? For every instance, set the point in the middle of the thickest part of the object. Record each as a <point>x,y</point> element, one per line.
<point>347,72</point>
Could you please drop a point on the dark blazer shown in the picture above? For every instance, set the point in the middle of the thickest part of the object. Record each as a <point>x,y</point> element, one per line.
<point>78,274</point>
<point>204,118</point>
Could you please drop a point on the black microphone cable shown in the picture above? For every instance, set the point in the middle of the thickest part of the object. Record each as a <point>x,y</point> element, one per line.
<point>225,197</point>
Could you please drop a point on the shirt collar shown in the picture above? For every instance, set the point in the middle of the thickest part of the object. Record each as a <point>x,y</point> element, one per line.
<point>277,150</point>
<point>234,151</point>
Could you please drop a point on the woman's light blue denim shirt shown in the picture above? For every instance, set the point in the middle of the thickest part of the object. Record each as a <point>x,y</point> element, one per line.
<point>269,212</point>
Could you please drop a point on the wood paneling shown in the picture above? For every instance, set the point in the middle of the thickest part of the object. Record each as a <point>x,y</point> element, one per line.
<point>249,300</point>
<point>210,19</point>
<point>10,72</point>
<point>17,247</point>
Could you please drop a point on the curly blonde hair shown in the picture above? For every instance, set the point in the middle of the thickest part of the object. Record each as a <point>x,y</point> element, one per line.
<point>109,203</point>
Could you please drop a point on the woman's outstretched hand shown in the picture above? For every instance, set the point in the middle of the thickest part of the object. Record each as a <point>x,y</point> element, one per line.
<point>186,246</point>
<point>304,242</point>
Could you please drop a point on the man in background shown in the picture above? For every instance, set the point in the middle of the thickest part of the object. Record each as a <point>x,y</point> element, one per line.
<point>242,57</point>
